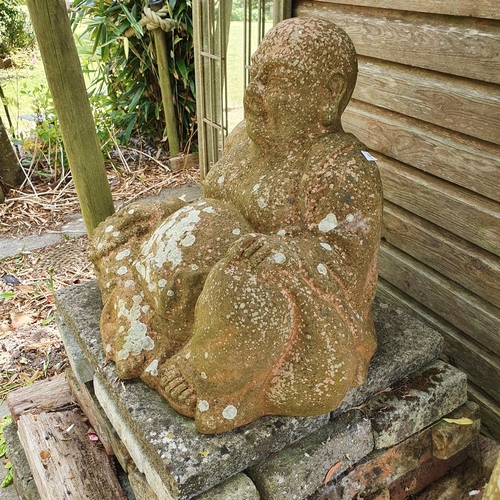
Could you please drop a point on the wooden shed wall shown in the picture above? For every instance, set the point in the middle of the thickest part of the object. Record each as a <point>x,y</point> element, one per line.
<point>427,104</point>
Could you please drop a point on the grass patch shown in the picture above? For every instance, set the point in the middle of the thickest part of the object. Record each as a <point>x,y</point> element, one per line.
<point>236,69</point>
<point>9,478</point>
<point>25,89</point>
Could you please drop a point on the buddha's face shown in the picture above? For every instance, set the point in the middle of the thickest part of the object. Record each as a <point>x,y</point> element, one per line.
<point>302,77</point>
<point>281,100</point>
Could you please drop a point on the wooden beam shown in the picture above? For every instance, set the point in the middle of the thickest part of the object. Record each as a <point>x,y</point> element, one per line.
<point>460,46</point>
<point>67,86</point>
<point>464,161</point>
<point>470,8</point>
<point>183,162</point>
<point>44,395</point>
<point>84,395</point>
<point>466,106</point>
<point>466,214</point>
<point>479,363</point>
<point>64,462</point>
<point>461,261</point>
<point>479,319</point>
<point>89,406</point>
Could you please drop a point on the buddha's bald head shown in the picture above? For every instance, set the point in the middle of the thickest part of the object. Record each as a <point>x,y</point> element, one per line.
<point>302,77</point>
<point>314,47</point>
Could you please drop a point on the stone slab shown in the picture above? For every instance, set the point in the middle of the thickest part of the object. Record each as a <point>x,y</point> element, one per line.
<point>239,487</point>
<point>79,363</point>
<point>404,345</point>
<point>24,483</point>
<point>139,485</point>
<point>300,469</point>
<point>178,461</point>
<point>12,246</point>
<point>416,402</point>
<point>189,463</point>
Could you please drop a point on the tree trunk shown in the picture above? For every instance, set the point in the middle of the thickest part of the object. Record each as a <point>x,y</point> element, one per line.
<point>11,172</point>
<point>166,92</point>
<point>67,86</point>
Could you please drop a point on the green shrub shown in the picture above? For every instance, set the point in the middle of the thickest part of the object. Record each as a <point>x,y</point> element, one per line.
<point>123,72</point>
<point>16,32</point>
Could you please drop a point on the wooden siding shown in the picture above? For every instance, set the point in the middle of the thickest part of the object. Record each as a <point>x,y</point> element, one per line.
<point>427,104</point>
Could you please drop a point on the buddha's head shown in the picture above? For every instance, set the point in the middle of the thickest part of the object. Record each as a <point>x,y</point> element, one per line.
<point>302,77</point>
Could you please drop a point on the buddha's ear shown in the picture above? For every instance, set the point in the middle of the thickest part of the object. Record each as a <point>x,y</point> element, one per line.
<point>331,100</point>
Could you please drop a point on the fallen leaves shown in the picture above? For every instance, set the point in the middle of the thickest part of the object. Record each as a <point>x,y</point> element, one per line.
<point>18,319</point>
<point>459,421</point>
<point>332,471</point>
<point>44,457</point>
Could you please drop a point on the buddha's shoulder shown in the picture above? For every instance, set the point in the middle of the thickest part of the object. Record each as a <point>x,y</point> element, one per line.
<point>340,146</point>
<point>237,138</point>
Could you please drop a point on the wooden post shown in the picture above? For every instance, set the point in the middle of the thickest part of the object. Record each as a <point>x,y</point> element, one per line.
<point>166,87</point>
<point>10,169</point>
<point>67,86</point>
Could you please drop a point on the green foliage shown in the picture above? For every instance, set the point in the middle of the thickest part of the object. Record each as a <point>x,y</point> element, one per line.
<point>123,73</point>
<point>239,7</point>
<point>3,451</point>
<point>43,143</point>
<point>15,29</point>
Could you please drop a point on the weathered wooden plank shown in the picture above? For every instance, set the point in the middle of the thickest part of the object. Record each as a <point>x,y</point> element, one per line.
<point>464,161</point>
<point>465,106</point>
<point>182,162</point>
<point>459,46</point>
<point>465,263</point>
<point>44,395</point>
<point>468,312</point>
<point>490,412</point>
<point>470,8</point>
<point>479,363</point>
<point>466,214</point>
<point>84,399</point>
<point>65,463</point>
<point>84,394</point>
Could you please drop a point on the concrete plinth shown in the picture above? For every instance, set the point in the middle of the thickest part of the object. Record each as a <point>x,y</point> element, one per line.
<point>285,457</point>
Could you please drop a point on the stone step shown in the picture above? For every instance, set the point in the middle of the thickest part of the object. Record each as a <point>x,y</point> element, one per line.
<point>176,460</point>
<point>339,460</point>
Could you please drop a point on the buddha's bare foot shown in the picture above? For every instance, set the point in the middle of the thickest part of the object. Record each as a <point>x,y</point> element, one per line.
<point>179,393</point>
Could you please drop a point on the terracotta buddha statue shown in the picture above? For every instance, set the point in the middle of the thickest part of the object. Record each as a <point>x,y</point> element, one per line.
<point>255,300</point>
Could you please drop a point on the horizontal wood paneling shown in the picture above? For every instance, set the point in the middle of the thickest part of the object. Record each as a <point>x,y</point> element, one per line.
<point>461,160</point>
<point>468,215</point>
<point>480,364</point>
<point>457,305</point>
<point>427,105</point>
<point>490,412</point>
<point>461,261</point>
<point>459,104</point>
<point>465,47</point>
<point>474,8</point>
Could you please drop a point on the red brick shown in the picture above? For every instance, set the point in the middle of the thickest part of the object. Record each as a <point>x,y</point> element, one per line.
<point>384,467</point>
<point>449,438</point>
<point>427,473</point>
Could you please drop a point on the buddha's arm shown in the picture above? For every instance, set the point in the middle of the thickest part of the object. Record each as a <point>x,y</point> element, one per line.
<point>342,206</point>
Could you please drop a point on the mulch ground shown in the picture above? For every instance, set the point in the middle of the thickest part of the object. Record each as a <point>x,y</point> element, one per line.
<point>30,345</point>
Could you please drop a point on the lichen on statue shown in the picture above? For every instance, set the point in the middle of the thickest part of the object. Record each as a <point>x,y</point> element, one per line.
<point>255,300</point>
